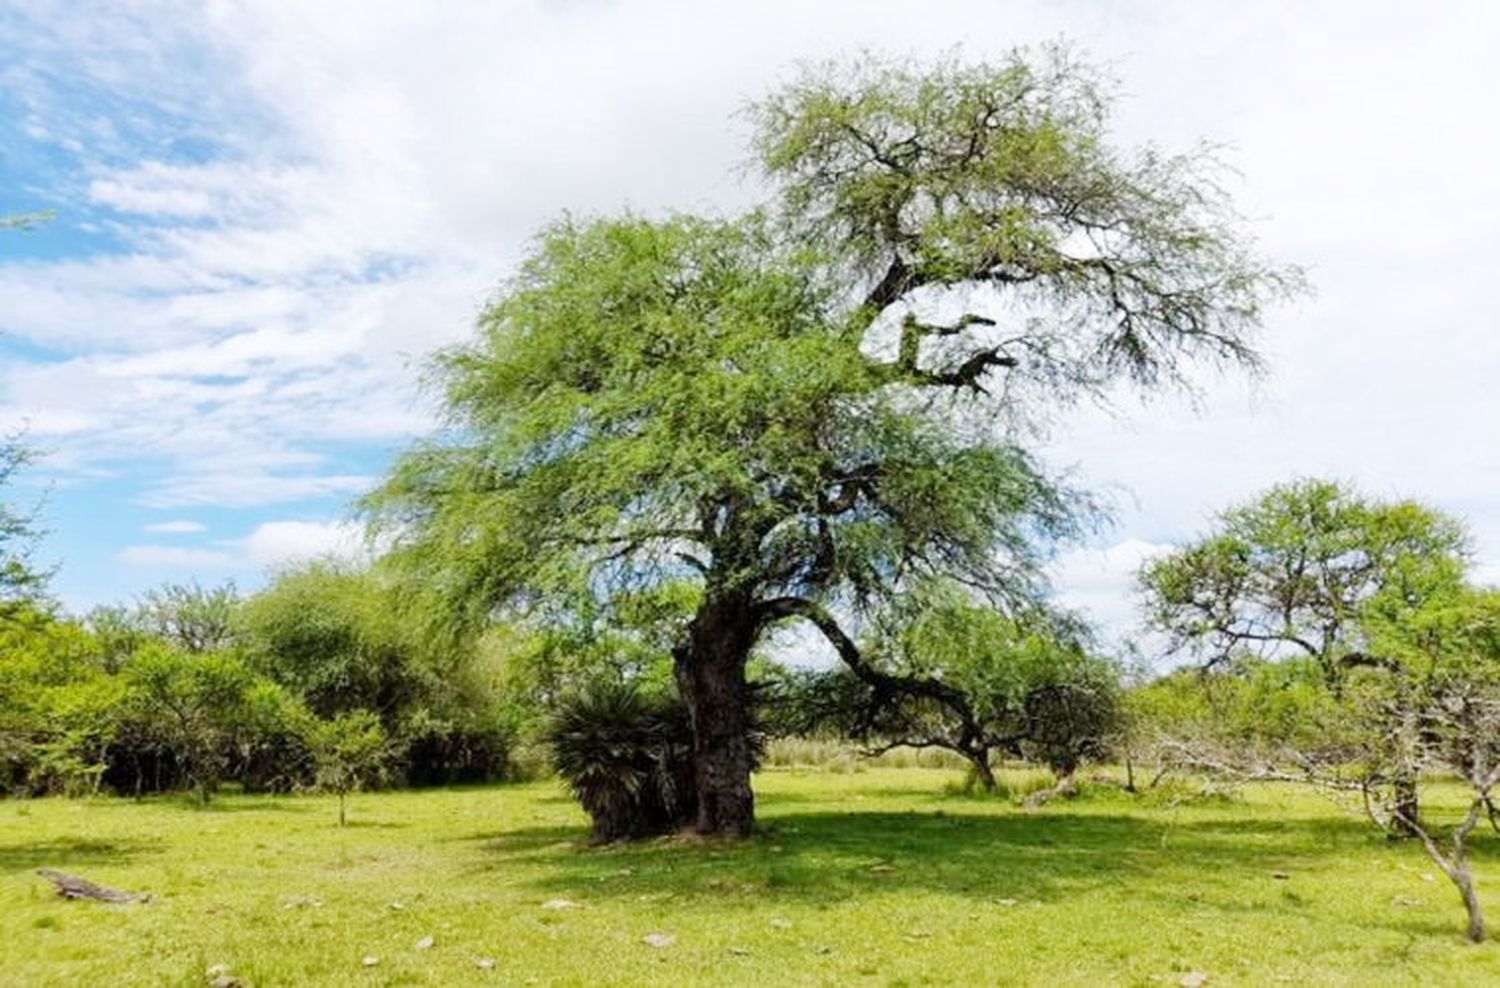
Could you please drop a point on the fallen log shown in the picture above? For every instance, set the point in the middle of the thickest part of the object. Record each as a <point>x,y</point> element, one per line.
<point>73,887</point>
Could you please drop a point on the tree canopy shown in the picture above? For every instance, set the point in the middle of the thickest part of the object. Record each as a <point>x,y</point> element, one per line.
<point>1307,566</point>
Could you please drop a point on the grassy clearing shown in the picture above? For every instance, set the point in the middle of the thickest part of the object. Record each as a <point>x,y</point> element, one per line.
<point>879,877</point>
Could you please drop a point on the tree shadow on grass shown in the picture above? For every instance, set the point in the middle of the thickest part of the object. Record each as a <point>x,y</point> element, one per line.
<point>1227,868</point>
<point>826,857</point>
<point>72,852</point>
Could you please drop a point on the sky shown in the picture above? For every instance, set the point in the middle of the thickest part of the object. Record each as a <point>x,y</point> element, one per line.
<point>267,214</point>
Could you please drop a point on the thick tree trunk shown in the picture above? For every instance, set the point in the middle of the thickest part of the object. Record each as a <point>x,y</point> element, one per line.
<point>711,679</point>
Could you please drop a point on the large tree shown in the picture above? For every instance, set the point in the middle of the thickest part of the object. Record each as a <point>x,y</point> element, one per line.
<point>809,409</point>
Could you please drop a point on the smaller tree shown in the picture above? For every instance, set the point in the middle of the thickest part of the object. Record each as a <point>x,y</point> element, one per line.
<point>351,752</point>
<point>1431,708</point>
<point>946,672</point>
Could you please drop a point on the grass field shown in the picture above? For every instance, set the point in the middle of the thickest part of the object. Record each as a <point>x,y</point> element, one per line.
<point>876,877</point>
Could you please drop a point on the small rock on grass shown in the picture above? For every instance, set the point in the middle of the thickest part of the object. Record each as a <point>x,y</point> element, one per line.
<point>781,924</point>
<point>485,963</point>
<point>1193,979</point>
<point>740,951</point>
<point>425,943</point>
<point>659,940</point>
<point>370,960</point>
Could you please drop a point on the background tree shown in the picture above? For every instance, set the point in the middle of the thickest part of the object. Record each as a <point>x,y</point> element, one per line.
<point>344,640</point>
<point>1376,740</point>
<point>205,709</point>
<point>191,617</point>
<point>1295,570</point>
<point>1306,568</point>
<point>22,584</point>
<point>804,410</point>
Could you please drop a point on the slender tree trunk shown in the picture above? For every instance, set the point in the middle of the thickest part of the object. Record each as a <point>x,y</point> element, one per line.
<point>711,678</point>
<point>1407,806</point>
<point>1464,879</point>
<point>341,808</point>
<point>979,761</point>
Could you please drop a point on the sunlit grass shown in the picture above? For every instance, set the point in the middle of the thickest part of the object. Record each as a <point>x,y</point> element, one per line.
<point>880,877</point>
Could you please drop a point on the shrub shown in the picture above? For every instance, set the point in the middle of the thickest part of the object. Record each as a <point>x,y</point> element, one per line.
<point>628,758</point>
<point>464,749</point>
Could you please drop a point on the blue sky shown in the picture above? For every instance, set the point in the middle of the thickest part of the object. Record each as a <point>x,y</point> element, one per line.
<point>266,214</point>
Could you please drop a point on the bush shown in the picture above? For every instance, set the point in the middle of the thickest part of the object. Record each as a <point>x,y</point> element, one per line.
<point>628,758</point>
<point>448,751</point>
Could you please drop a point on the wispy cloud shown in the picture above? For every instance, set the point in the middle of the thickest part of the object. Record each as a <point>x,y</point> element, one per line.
<point>178,558</point>
<point>270,546</point>
<point>179,527</point>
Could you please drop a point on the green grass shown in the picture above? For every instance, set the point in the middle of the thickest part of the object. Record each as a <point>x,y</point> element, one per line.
<point>879,878</point>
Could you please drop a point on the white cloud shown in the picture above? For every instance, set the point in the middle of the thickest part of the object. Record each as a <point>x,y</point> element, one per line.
<point>276,544</point>
<point>1100,583</point>
<point>178,527</point>
<point>178,557</point>
<point>270,546</point>
<point>238,490</point>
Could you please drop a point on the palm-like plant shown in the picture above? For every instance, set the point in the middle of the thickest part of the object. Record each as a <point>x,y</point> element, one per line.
<point>627,757</point>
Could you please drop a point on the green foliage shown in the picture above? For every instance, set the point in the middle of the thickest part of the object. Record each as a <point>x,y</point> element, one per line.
<point>56,706</point>
<point>1247,706</point>
<point>189,616</point>
<point>336,637</point>
<point>1003,174</point>
<point>345,641</point>
<point>1027,687</point>
<point>1304,568</point>
<point>627,756</point>
<point>207,711</point>
<point>650,402</point>
<point>351,752</point>
<point>22,585</point>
